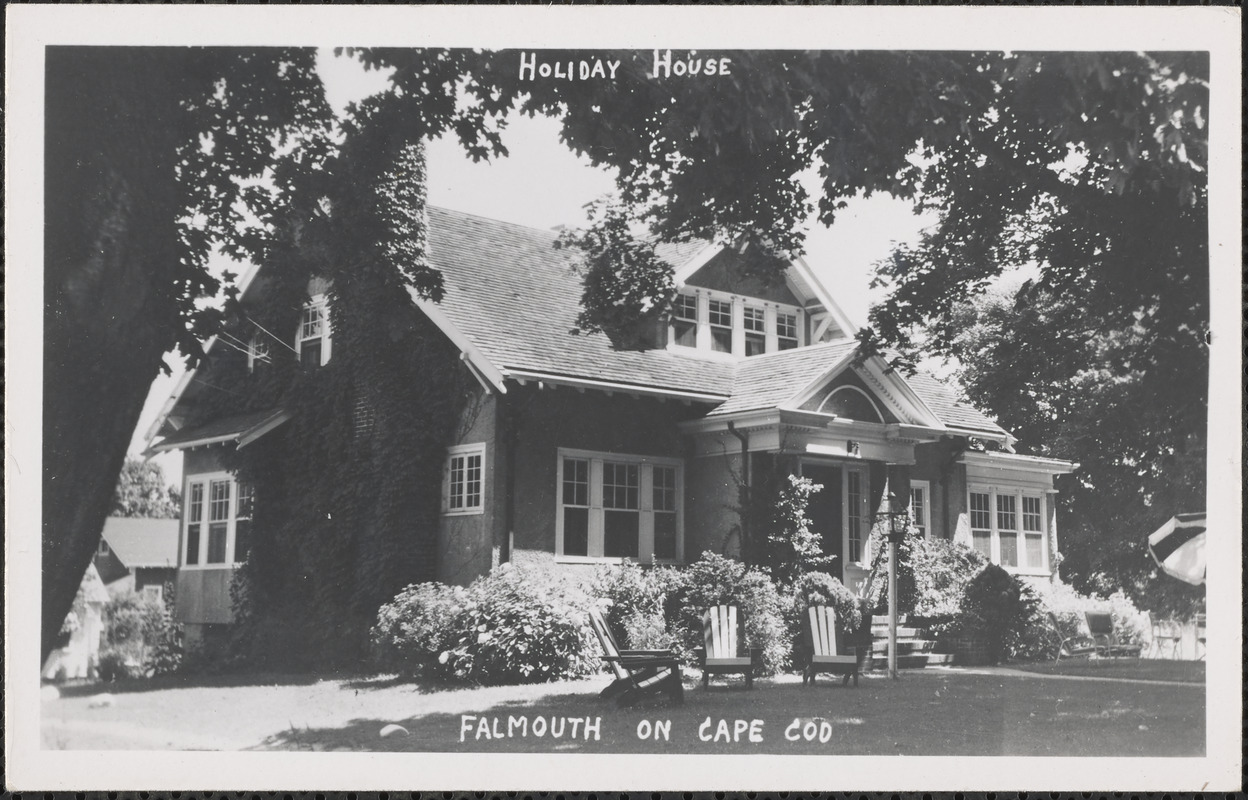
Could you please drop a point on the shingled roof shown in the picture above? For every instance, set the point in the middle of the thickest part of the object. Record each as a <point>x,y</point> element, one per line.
<point>143,542</point>
<point>516,298</point>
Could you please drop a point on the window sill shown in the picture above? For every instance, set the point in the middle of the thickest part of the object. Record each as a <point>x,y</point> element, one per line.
<point>468,512</point>
<point>209,567</point>
<point>610,560</point>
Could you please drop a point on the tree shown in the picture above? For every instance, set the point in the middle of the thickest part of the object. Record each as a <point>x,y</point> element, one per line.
<point>1094,397</point>
<point>147,151</point>
<point>142,492</point>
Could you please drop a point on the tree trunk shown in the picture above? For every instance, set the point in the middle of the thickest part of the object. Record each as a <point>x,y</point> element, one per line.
<point>110,305</point>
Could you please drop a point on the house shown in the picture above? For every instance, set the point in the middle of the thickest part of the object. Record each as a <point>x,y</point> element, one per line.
<point>577,454</point>
<point>138,554</point>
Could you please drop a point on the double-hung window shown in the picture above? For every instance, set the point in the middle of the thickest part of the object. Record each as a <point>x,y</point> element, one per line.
<point>856,525</point>
<point>618,507</point>
<point>1007,526</point>
<point>464,491</point>
<point>786,330</point>
<point>312,344</point>
<point>920,509</point>
<point>217,521</point>
<point>755,322</point>
<point>685,320</point>
<point>721,325</point>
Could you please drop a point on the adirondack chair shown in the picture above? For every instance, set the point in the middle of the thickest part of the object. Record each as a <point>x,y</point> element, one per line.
<point>638,673</point>
<point>1101,626</point>
<point>822,651</point>
<point>726,653</point>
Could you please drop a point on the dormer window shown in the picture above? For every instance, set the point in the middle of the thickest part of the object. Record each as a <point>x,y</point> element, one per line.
<point>685,320</point>
<point>313,343</point>
<point>786,330</point>
<point>721,326</point>
<point>257,352</point>
<point>755,323</point>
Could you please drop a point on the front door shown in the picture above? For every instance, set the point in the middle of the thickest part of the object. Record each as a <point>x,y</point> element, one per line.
<point>825,513</point>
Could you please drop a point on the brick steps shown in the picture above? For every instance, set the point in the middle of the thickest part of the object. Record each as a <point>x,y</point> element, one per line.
<point>914,647</point>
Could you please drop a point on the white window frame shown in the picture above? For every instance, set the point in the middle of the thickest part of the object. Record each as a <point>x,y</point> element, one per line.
<point>206,479</point>
<point>258,351</point>
<point>848,388</point>
<point>465,452</point>
<point>864,511</point>
<point>1018,493</point>
<point>925,507</point>
<point>645,545</point>
<point>320,302</point>
<point>702,324</point>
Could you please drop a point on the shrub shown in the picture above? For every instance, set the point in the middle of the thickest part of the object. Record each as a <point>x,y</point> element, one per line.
<point>141,638</point>
<point>511,626</point>
<point>631,591</point>
<point>821,589</point>
<point>714,580</point>
<point>1002,610</point>
<point>416,627</point>
<point>942,569</point>
<point>647,631</point>
<point>1068,608</point>
<point>792,548</point>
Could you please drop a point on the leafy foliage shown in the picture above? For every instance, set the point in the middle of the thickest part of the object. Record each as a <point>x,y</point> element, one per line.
<point>821,589</point>
<point>142,492</point>
<point>715,580</point>
<point>792,548</point>
<point>508,627</point>
<point>632,592</point>
<point>141,638</point>
<point>941,571</point>
<point>999,608</point>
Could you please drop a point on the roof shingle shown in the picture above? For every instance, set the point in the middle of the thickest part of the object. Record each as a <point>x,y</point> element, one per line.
<point>143,542</point>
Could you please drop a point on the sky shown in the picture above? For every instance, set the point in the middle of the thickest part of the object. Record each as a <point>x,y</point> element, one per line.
<point>543,184</point>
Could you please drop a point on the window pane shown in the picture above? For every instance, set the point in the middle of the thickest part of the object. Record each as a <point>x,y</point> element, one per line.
<point>619,538</point>
<point>575,482</point>
<point>853,513</point>
<point>216,542</point>
<point>246,500</point>
<point>1007,517</point>
<point>472,482</point>
<point>1031,514</point>
<point>755,344</point>
<point>982,541</point>
<point>755,320</point>
<point>721,313</point>
<point>219,501</point>
<point>981,515</point>
<point>1035,550</point>
<point>242,540</point>
<point>664,488</point>
<point>917,513</point>
<point>1009,549</point>
<point>664,535</point>
<point>195,512</point>
<point>310,353</point>
<point>620,483</point>
<point>686,333</point>
<point>786,331</point>
<point>685,307</point>
<point>456,498</point>
<point>313,321</point>
<point>192,544</point>
<point>576,531</point>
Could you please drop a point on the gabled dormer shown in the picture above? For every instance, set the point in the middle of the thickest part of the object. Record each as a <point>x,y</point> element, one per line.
<point>721,311</point>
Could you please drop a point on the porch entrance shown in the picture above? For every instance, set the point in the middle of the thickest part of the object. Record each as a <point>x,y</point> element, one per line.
<point>825,511</point>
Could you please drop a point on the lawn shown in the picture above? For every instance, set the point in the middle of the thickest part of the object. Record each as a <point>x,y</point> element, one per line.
<point>929,712</point>
<point>1130,668</point>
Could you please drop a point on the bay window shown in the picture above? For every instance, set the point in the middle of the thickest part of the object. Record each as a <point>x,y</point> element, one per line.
<point>217,526</point>
<point>1007,526</point>
<point>618,508</point>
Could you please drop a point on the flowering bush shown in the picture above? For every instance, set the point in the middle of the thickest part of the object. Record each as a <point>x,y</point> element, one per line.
<point>632,592</point>
<point>510,626</point>
<point>942,570</point>
<point>715,580</point>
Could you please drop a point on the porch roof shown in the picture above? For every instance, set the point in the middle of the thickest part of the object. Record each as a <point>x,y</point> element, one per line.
<point>954,413</point>
<point>242,428</point>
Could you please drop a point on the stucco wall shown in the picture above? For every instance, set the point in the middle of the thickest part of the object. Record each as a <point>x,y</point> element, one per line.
<point>467,544</point>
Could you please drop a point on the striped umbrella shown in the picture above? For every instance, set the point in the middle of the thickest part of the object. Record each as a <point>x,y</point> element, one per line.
<point>1179,547</point>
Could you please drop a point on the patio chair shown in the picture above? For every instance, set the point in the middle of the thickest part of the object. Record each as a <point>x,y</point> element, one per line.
<point>822,651</point>
<point>1165,633</point>
<point>1069,646</point>
<point>726,652</point>
<point>638,673</point>
<point>1101,626</point>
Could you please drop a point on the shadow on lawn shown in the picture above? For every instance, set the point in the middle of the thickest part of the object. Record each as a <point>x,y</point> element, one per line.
<point>191,681</point>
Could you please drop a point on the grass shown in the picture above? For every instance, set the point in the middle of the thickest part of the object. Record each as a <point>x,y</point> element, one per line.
<point>1130,668</point>
<point>930,712</point>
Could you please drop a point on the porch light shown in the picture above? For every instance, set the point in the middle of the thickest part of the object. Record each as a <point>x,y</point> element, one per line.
<point>898,519</point>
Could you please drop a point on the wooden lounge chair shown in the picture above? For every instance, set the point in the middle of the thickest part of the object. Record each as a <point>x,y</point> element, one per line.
<point>726,653</point>
<point>1101,626</point>
<point>822,651</point>
<point>638,673</point>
